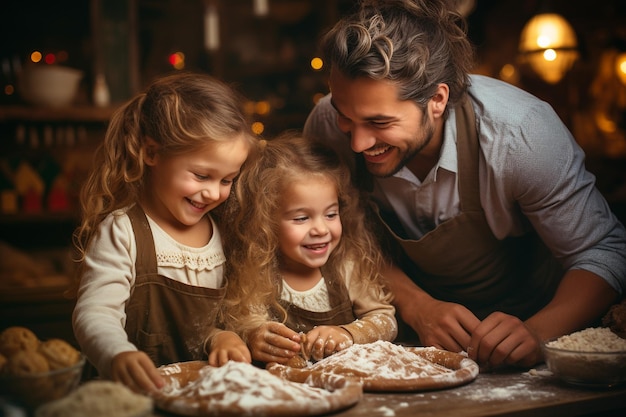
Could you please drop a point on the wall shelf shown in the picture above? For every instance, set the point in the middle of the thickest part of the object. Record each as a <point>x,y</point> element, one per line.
<point>85,114</point>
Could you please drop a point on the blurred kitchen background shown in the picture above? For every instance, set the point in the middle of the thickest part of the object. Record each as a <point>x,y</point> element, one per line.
<point>67,64</point>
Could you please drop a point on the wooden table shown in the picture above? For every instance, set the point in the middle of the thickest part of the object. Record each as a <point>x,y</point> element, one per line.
<point>517,394</point>
<point>536,393</point>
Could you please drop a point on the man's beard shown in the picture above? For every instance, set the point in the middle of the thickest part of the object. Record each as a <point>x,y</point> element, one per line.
<point>429,131</point>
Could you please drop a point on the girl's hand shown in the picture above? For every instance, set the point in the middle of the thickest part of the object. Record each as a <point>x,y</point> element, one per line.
<point>137,371</point>
<point>323,341</point>
<point>227,346</point>
<point>273,342</point>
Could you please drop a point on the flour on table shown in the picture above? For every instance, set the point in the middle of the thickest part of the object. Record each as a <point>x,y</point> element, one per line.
<point>237,388</point>
<point>384,359</point>
<point>237,383</point>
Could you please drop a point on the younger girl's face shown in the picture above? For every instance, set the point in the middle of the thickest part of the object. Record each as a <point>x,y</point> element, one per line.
<point>310,227</point>
<point>186,187</point>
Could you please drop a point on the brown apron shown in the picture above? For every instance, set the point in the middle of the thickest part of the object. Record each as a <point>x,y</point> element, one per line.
<point>340,312</point>
<point>461,260</point>
<point>167,319</point>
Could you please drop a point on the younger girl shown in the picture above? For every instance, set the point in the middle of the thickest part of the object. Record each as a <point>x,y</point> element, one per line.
<point>301,258</point>
<point>151,273</point>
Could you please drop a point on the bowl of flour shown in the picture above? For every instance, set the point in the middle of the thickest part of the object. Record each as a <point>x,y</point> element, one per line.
<point>593,357</point>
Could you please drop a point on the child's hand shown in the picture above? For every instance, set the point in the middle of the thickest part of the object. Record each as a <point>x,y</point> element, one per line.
<point>137,371</point>
<point>227,346</point>
<point>323,341</point>
<point>274,342</point>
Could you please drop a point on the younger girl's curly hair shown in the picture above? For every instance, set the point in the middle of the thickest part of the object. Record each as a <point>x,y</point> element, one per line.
<point>251,230</point>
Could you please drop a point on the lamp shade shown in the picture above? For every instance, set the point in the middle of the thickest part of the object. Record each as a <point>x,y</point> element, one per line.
<point>548,43</point>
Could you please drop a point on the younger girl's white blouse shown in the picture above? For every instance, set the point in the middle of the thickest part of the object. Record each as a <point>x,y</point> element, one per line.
<point>314,299</point>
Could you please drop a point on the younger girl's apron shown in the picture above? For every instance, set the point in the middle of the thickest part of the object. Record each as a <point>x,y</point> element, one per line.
<point>167,319</point>
<point>461,260</point>
<point>301,320</point>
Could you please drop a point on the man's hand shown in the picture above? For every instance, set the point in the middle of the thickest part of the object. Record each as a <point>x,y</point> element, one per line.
<point>437,323</point>
<point>502,339</point>
<point>441,324</point>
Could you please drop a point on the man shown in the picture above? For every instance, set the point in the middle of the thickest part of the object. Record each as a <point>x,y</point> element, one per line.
<point>502,239</point>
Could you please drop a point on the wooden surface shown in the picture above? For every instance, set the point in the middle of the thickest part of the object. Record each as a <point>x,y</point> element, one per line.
<point>511,394</point>
<point>514,394</point>
<point>533,394</point>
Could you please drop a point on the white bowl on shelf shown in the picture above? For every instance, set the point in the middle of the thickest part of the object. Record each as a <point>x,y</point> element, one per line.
<point>49,85</point>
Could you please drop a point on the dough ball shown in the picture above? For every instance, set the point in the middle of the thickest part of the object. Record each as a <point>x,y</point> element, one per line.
<point>296,362</point>
<point>15,339</point>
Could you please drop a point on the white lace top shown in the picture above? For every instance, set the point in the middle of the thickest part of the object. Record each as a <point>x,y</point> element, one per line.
<point>314,299</point>
<point>195,266</point>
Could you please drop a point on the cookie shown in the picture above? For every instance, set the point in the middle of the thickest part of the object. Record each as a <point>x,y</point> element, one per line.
<point>26,362</point>
<point>17,338</point>
<point>59,353</point>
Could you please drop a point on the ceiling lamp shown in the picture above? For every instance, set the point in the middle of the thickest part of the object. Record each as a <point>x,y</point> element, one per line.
<point>548,43</point>
<point>620,67</point>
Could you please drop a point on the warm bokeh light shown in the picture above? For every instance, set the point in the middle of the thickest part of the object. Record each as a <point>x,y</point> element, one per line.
<point>262,107</point>
<point>177,60</point>
<point>50,59</point>
<point>9,89</point>
<point>258,128</point>
<point>317,97</point>
<point>62,56</point>
<point>248,107</point>
<point>549,54</point>
<point>35,56</point>
<point>620,67</point>
<point>509,73</point>
<point>317,63</point>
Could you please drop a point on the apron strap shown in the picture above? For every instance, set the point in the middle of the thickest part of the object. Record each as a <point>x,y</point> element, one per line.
<point>146,262</point>
<point>467,154</point>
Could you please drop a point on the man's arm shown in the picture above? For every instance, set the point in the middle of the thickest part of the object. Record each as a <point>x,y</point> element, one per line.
<point>580,299</point>
<point>437,323</point>
<point>501,339</point>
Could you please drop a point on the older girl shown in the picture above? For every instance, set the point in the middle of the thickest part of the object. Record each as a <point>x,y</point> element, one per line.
<point>151,273</point>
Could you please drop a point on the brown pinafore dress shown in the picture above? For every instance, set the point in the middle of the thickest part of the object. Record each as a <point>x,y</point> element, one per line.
<point>461,260</point>
<point>301,320</point>
<point>167,319</point>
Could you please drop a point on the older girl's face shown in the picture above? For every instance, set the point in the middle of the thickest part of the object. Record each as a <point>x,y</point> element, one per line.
<point>184,188</point>
<point>310,226</point>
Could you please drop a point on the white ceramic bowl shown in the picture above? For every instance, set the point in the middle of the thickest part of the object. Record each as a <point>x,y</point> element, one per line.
<point>49,85</point>
<point>591,369</point>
